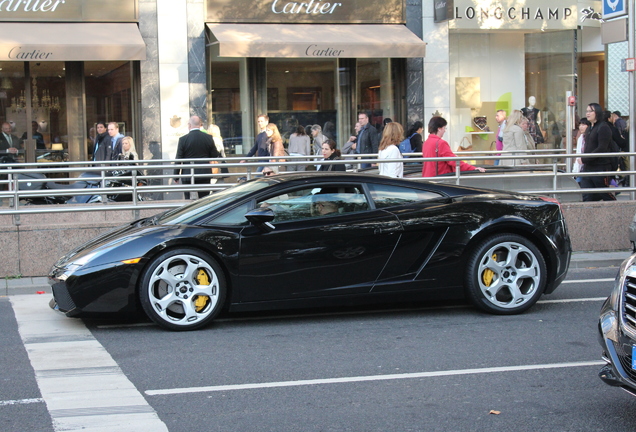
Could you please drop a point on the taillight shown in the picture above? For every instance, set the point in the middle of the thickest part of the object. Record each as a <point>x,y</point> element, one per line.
<point>552,200</point>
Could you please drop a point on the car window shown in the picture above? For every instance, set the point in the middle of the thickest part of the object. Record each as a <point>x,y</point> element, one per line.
<point>316,201</point>
<point>389,195</point>
<point>211,203</point>
<point>236,216</point>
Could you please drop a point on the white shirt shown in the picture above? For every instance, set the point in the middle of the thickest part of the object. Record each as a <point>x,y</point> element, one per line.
<point>391,169</point>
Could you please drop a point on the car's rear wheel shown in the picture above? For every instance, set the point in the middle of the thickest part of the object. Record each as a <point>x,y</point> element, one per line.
<point>506,274</point>
<point>182,289</point>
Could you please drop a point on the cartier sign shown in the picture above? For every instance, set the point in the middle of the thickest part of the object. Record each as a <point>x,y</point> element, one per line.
<point>69,10</point>
<point>514,14</point>
<point>306,11</point>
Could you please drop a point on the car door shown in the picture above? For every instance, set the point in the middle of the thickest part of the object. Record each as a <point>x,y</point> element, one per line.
<point>310,254</point>
<point>426,222</point>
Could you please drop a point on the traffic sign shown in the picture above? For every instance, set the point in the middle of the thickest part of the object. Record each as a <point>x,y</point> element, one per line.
<point>614,8</point>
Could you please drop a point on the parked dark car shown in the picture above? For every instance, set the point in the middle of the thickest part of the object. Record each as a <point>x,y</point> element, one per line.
<point>307,240</point>
<point>617,330</point>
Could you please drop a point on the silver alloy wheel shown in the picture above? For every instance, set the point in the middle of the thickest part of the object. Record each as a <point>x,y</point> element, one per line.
<point>183,290</point>
<point>509,275</point>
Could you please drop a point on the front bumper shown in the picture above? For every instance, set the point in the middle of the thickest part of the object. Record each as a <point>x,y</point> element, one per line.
<point>618,371</point>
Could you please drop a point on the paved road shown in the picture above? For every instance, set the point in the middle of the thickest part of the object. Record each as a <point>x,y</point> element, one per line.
<point>415,368</point>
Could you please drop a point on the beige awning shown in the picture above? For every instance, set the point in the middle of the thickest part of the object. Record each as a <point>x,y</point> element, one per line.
<point>315,40</point>
<point>70,42</point>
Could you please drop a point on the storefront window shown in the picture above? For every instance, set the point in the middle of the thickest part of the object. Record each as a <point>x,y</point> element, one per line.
<point>108,98</point>
<point>225,97</point>
<point>302,92</point>
<point>550,67</point>
<point>375,89</point>
<point>48,107</point>
<point>13,102</point>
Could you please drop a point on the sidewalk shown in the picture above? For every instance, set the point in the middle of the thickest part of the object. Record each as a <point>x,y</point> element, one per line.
<point>33,285</point>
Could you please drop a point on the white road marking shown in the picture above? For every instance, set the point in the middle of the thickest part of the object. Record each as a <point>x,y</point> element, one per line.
<point>371,378</point>
<point>21,401</point>
<point>575,300</point>
<point>588,280</point>
<point>82,386</point>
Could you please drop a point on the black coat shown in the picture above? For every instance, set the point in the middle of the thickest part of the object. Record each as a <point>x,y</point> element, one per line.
<point>333,167</point>
<point>196,144</point>
<point>4,144</point>
<point>598,140</point>
<point>368,140</point>
<point>103,150</point>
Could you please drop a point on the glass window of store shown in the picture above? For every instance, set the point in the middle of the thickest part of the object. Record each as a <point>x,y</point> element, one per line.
<point>225,100</point>
<point>302,92</point>
<point>108,98</point>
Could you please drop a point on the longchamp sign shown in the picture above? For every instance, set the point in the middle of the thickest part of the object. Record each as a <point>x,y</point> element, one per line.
<point>306,11</point>
<point>69,10</point>
<point>514,15</point>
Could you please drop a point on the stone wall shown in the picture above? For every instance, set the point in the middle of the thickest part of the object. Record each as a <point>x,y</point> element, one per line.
<point>30,248</point>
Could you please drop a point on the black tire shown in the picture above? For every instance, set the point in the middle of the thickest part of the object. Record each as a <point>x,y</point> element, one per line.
<point>182,289</point>
<point>505,274</point>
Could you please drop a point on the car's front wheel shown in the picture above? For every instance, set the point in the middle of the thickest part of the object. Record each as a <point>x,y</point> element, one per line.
<point>182,289</point>
<point>506,274</point>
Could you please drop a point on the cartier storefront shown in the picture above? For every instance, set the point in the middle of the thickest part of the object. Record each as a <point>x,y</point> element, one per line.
<point>65,65</point>
<point>306,63</point>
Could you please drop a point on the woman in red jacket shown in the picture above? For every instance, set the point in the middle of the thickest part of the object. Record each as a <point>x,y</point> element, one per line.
<point>435,146</point>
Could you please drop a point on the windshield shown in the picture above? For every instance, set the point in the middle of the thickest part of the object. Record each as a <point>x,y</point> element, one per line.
<point>207,205</point>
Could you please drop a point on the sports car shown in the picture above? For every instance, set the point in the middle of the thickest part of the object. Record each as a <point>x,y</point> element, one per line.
<point>617,330</point>
<point>311,239</point>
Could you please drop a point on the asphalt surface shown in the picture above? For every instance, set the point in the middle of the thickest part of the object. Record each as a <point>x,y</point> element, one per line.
<point>419,367</point>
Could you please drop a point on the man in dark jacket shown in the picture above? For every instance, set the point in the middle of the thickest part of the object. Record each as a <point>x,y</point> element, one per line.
<point>9,143</point>
<point>102,150</point>
<point>260,145</point>
<point>196,144</point>
<point>368,138</point>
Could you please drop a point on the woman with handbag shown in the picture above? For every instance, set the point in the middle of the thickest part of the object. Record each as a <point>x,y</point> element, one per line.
<point>436,147</point>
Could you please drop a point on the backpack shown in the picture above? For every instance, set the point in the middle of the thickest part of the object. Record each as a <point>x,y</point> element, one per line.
<point>405,145</point>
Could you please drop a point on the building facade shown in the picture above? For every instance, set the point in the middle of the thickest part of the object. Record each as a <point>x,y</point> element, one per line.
<point>150,64</point>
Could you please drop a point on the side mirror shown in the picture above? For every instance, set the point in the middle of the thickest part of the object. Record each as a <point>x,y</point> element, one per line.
<point>261,217</point>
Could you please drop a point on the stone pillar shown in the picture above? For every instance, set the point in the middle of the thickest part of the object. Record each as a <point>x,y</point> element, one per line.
<point>415,66</point>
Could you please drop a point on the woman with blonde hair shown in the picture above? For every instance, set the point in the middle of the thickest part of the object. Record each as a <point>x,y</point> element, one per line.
<point>275,143</point>
<point>392,135</point>
<point>516,137</point>
<point>128,149</point>
<point>215,131</point>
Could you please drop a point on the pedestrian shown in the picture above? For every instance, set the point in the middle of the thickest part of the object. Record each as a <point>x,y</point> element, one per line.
<point>330,152</point>
<point>620,123</point>
<point>115,140</point>
<point>318,139</point>
<point>584,124</point>
<point>500,117</point>
<point>260,145</point>
<point>415,134</point>
<point>128,149</point>
<point>436,147</point>
<point>196,144</point>
<point>517,138</point>
<point>368,138</point>
<point>597,140</point>
<point>215,131</point>
<point>391,137</point>
<point>102,150</point>
<point>299,145</point>
<point>275,144</point>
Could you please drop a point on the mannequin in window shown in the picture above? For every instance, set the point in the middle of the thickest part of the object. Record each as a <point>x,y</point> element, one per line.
<point>534,120</point>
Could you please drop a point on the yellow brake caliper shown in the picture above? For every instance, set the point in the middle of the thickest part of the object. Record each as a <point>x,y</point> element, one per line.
<point>487,275</point>
<point>201,300</point>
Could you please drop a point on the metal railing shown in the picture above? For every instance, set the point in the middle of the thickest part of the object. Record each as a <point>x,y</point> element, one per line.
<point>160,191</point>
